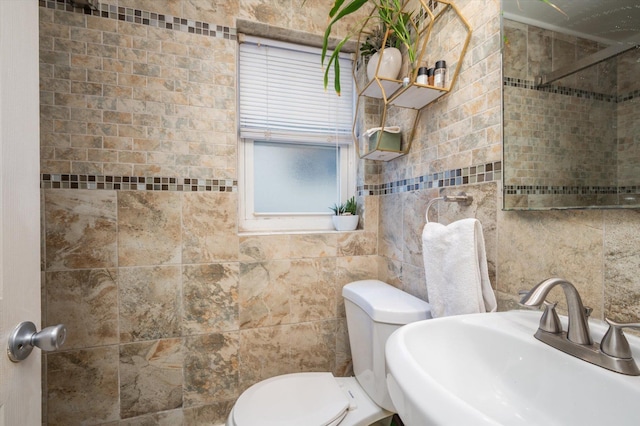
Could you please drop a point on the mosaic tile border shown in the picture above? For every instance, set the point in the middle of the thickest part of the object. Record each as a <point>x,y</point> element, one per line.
<point>455,177</point>
<point>152,19</point>
<point>135,183</point>
<point>568,190</point>
<point>632,95</point>
<point>561,90</point>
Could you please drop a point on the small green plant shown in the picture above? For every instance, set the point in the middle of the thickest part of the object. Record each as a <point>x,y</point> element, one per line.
<point>374,41</point>
<point>350,207</point>
<point>337,209</point>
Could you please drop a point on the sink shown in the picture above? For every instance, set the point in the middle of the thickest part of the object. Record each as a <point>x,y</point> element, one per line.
<point>488,369</point>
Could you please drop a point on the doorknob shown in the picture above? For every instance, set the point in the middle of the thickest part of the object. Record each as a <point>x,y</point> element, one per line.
<point>24,337</point>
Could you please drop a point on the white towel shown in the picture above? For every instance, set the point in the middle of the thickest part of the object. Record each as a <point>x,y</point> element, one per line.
<point>455,263</point>
<point>388,129</point>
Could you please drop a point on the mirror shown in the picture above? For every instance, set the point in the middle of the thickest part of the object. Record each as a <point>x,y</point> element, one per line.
<point>571,97</point>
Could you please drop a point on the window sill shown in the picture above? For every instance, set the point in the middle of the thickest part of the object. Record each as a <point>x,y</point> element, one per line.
<point>297,232</point>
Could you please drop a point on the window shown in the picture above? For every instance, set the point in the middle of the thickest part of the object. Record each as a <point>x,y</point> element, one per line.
<point>296,153</point>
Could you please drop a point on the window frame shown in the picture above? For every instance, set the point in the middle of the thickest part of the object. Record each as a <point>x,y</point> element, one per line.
<point>248,219</point>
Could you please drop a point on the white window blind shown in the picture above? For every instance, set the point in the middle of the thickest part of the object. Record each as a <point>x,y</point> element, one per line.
<point>282,96</point>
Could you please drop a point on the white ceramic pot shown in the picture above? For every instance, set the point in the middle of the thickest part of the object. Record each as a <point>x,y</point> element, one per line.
<point>390,63</point>
<point>345,223</point>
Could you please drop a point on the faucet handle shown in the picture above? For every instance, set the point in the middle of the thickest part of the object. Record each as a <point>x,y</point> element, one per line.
<point>614,343</point>
<point>550,322</point>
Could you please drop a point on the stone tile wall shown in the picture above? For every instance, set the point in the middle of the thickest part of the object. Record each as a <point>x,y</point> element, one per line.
<point>461,131</point>
<point>593,249</point>
<point>541,128</point>
<point>628,124</point>
<point>171,312</point>
<point>122,99</point>
<point>168,308</point>
<point>565,144</point>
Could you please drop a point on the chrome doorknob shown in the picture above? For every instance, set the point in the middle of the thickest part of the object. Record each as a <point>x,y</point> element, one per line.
<point>24,337</point>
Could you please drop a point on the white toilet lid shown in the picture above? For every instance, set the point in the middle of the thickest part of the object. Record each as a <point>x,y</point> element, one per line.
<point>292,400</point>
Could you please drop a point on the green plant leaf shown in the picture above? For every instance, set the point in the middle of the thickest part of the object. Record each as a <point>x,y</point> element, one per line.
<point>333,59</point>
<point>351,206</point>
<point>390,15</point>
<point>347,10</point>
<point>336,79</point>
<point>336,6</point>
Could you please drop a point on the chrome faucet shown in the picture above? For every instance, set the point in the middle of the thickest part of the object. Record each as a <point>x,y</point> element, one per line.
<point>578,328</point>
<point>613,353</point>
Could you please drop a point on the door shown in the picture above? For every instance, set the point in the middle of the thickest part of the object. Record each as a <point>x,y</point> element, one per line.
<point>20,389</point>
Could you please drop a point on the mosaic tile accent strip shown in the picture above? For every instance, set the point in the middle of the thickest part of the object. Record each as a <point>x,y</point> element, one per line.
<point>456,177</point>
<point>152,19</point>
<point>529,84</point>
<point>568,190</point>
<point>627,97</point>
<point>136,183</point>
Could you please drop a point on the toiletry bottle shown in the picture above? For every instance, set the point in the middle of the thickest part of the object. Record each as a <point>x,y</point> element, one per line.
<point>430,72</point>
<point>422,76</point>
<point>440,74</point>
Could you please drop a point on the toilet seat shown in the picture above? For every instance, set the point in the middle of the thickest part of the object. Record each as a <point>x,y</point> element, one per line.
<point>292,400</point>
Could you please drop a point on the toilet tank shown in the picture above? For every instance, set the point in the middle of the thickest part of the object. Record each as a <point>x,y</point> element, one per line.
<point>374,311</point>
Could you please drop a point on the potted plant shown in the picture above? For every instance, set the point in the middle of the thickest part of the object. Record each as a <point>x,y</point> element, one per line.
<point>394,25</point>
<point>345,215</point>
<point>381,50</point>
<point>391,17</point>
<point>374,41</point>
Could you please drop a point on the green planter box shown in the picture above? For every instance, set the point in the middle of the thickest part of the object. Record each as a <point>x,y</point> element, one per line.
<point>385,141</point>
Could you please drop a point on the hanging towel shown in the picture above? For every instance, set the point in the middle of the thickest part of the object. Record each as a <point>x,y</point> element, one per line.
<point>389,129</point>
<point>455,263</point>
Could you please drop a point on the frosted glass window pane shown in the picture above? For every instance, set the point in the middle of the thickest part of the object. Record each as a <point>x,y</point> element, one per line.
<point>295,178</point>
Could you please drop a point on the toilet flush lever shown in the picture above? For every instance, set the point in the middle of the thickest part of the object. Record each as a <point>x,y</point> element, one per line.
<point>24,337</point>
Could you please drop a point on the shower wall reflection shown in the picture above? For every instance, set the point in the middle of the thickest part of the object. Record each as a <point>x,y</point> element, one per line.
<point>576,142</point>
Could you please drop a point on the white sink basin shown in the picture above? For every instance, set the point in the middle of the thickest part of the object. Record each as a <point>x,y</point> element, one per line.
<point>488,369</point>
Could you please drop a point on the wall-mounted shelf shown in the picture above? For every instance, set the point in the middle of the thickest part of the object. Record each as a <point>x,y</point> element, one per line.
<point>434,27</point>
<point>382,155</point>
<point>379,87</point>
<point>416,96</point>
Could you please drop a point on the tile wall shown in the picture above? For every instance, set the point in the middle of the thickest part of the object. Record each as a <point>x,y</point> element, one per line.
<point>458,140</point>
<point>565,142</point>
<point>593,249</point>
<point>171,312</point>
<point>628,125</point>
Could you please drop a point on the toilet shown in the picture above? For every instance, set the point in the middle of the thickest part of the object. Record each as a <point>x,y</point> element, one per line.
<point>374,310</point>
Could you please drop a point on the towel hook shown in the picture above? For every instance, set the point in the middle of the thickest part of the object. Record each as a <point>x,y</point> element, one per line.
<point>462,199</point>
